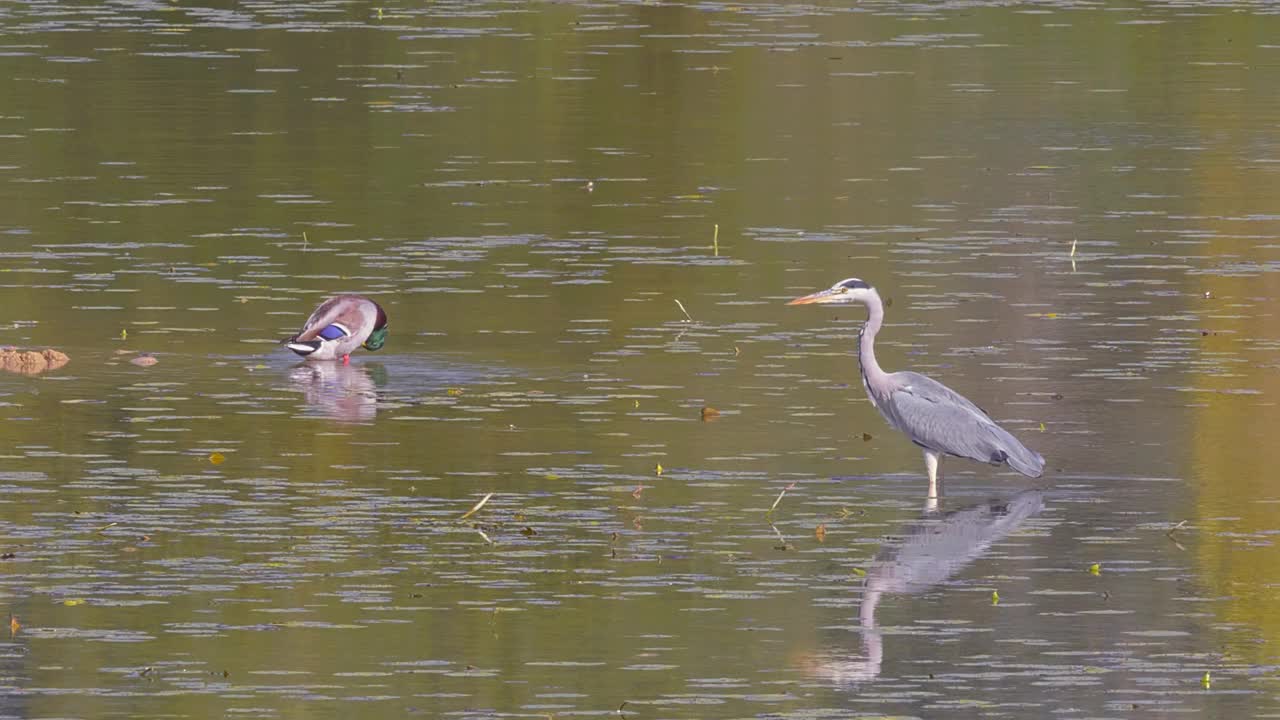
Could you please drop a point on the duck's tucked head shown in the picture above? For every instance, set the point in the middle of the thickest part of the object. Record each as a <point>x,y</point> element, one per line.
<point>378,337</point>
<point>850,290</point>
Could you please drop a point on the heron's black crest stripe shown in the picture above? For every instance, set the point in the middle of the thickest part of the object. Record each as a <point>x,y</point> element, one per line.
<point>855,284</point>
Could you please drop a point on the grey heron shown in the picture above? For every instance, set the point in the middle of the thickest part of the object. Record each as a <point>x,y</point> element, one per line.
<point>935,417</point>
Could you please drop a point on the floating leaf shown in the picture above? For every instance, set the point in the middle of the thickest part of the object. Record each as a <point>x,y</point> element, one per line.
<point>820,532</point>
<point>866,437</point>
<point>709,413</point>
<point>995,597</point>
<point>1206,681</point>
<point>1095,569</point>
<point>72,602</point>
<point>454,391</point>
<point>859,572</point>
<point>528,531</point>
<point>657,470</point>
<point>14,625</point>
<point>217,458</point>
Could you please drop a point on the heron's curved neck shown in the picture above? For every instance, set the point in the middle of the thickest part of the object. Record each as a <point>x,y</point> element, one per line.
<point>867,340</point>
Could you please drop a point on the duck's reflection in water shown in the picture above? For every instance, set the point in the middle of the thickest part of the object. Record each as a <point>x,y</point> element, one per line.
<point>929,552</point>
<point>345,393</point>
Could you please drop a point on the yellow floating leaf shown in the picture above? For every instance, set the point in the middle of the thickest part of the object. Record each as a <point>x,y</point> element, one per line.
<point>217,458</point>
<point>995,597</point>
<point>657,470</point>
<point>1095,569</point>
<point>859,572</point>
<point>551,476</point>
<point>1206,681</point>
<point>820,532</point>
<point>454,391</point>
<point>14,625</point>
<point>72,602</point>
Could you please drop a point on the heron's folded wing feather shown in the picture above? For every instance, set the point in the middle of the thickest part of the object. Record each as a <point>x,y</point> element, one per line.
<point>940,419</point>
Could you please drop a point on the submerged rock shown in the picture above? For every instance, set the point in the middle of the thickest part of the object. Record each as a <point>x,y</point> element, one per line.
<point>31,362</point>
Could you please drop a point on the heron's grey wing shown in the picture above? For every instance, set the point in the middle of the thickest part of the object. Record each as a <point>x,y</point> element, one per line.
<point>938,418</point>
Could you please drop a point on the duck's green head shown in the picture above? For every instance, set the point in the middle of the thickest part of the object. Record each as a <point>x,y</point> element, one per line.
<point>378,337</point>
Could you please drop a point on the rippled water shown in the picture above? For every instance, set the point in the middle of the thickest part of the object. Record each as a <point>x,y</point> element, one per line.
<point>584,220</point>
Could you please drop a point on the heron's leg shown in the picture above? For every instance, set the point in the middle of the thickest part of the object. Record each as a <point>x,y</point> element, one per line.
<point>931,464</point>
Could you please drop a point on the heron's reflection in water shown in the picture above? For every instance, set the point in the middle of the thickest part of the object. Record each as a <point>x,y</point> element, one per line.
<point>929,552</point>
<point>346,393</point>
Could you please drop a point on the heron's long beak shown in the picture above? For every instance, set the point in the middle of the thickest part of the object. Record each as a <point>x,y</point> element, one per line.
<point>818,298</point>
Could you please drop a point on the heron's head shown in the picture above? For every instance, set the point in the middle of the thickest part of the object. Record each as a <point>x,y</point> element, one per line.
<point>845,292</point>
<point>379,334</point>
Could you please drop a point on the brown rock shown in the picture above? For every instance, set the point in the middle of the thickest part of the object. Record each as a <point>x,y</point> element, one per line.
<point>31,362</point>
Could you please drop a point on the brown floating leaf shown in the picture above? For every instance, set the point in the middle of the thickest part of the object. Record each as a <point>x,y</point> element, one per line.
<point>709,413</point>
<point>31,362</point>
<point>217,458</point>
<point>866,437</point>
<point>528,532</point>
<point>14,625</point>
<point>144,360</point>
<point>820,532</point>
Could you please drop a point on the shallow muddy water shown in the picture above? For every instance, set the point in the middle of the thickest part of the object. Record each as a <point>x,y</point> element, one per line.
<point>584,220</point>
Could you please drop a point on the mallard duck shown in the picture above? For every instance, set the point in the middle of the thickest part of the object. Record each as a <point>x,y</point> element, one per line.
<point>340,325</point>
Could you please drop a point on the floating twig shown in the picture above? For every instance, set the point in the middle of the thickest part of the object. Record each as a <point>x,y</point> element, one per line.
<point>774,506</point>
<point>782,540</point>
<point>715,240</point>
<point>688,317</point>
<point>476,507</point>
